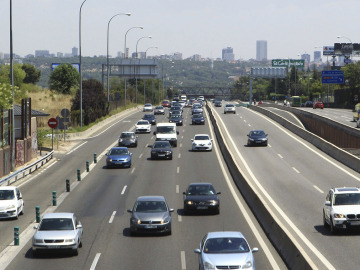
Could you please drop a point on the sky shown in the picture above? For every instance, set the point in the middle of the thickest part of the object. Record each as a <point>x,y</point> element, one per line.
<point>190,27</point>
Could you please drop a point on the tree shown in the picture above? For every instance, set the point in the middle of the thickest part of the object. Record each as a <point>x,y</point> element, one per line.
<point>19,74</point>
<point>64,78</point>
<point>6,95</point>
<point>32,74</point>
<point>94,102</point>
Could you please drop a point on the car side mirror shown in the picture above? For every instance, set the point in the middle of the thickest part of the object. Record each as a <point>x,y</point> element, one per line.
<point>255,249</point>
<point>184,193</point>
<point>136,136</point>
<point>20,197</point>
<point>197,251</point>
<point>218,193</point>
<point>192,140</point>
<point>35,227</point>
<point>129,211</point>
<point>171,210</point>
<point>327,203</point>
<point>154,133</point>
<point>247,135</point>
<point>130,154</point>
<point>150,145</point>
<point>177,132</point>
<point>106,154</point>
<point>79,226</point>
<point>267,135</point>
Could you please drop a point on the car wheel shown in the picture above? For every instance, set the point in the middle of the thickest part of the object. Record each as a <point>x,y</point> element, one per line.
<point>152,157</point>
<point>136,144</point>
<point>76,252</point>
<point>217,212</point>
<point>333,229</point>
<point>80,244</point>
<point>326,225</point>
<point>170,158</point>
<point>224,112</point>
<point>22,211</point>
<point>35,253</point>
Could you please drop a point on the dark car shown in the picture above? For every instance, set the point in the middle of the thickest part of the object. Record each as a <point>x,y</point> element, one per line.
<point>161,149</point>
<point>174,112</point>
<point>218,103</point>
<point>150,117</point>
<point>118,157</point>
<point>175,118</point>
<point>196,109</point>
<point>198,119</point>
<point>201,197</point>
<point>308,103</point>
<point>257,137</point>
<point>128,139</point>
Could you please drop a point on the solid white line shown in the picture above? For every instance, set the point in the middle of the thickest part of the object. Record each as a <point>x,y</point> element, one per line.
<point>318,189</point>
<point>132,171</point>
<point>141,155</point>
<point>280,156</point>
<point>180,144</point>
<point>183,261</point>
<point>177,169</point>
<point>179,155</point>
<point>123,191</point>
<point>295,169</point>
<point>152,137</point>
<point>179,218</point>
<point>177,189</point>
<point>96,259</point>
<point>112,217</point>
<point>75,148</point>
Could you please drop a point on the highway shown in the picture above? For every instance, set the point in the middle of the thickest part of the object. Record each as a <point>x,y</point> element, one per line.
<point>293,177</point>
<point>100,201</point>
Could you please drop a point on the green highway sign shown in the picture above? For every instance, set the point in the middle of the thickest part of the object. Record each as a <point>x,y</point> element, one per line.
<point>300,63</point>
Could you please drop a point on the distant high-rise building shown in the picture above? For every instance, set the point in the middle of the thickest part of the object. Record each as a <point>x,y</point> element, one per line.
<point>196,57</point>
<point>1,55</point>
<point>74,51</point>
<point>120,54</point>
<point>177,56</point>
<point>228,54</point>
<point>317,56</point>
<point>306,57</point>
<point>59,54</point>
<point>261,50</point>
<point>42,53</point>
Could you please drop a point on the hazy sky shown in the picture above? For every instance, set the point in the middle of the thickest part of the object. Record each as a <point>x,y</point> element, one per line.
<point>202,27</point>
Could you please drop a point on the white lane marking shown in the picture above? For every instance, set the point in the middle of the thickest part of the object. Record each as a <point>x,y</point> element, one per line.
<point>249,125</point>
<point>182,137</point>
<point>180,144</point>
<point>132,171</point>
<point>279,210</point>
<point>112,217</point>
<point>280,156</point>
<point>184,130</point>
<point>269,145</point>
<point>152,137</point>
<point>245,121</point>
<point>179,156</point>
<point>141,155</point>
<point>95,261</point>
<point>179,218</point>
<point>177,189</point>
<point>177,169</point>
<point>183,261</point>
<point>123,191</point>
<point>318,189</point>
<point>296,170</point>
<point>75,148</point>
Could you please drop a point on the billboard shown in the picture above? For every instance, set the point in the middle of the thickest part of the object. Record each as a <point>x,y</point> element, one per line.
<point>268,72</point>
<point>299,63</point>
<point>75,65</point>
<point>343,48</point>
<point>328,50</point>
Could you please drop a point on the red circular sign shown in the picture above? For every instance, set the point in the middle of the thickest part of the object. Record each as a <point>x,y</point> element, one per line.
<point>53,122</point>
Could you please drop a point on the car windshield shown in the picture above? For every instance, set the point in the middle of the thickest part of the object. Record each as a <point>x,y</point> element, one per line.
<point>118,152</point>
<point>150,206</point>
<point>175,112</point>
<point>347,199</point>
<point>197,116</point>
<point>142,123</point>
<point>147,105</point>
<point>201,190</point>
<point>197,106</point>
<point>127,135</point>
<point>226,245</point>
<point>56,224</point>
<point>229,105</point>
<point>201,138</point>
<point>257,133</point>
<point>176,108</point>
<point>148,116</point>
<point>159,107</point>
<point>165,130</point>
<point>7,195</point>
<point>161,145</point>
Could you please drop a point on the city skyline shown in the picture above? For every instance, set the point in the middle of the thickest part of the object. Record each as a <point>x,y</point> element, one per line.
<point>191,28</point>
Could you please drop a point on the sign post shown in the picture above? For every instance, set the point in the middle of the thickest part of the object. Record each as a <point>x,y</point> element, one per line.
<point>52,124</point>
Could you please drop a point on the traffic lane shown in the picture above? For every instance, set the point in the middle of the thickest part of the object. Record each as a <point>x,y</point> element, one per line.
<point>343,116</point>
<point>154,177</point>
<point>284,184</point>
<point>287,115</point>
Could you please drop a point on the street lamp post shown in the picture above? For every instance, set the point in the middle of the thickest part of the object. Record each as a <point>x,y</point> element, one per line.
<point>308,85</point>
<point>136,56</point>
<point>80,67</point>
<point>149,49</point>
<point>107,54</point>
<point>13,94</point>
<point>144,88</point>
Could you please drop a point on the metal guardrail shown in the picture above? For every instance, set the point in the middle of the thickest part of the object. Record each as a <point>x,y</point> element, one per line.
<point>12,178</point>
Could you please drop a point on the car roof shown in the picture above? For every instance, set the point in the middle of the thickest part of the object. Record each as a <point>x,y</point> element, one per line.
<point>128,132</point>
<point>58,215</point>
<point>347,190</point>
<point>202,135</point>
<point>225,234</point>
<point>165,124</point>
<point>200,184</point>
<point>143,121</point>
<point>119,148</point>
<point>150,198</point>
<point>8,188</point>
<point>148,104</point>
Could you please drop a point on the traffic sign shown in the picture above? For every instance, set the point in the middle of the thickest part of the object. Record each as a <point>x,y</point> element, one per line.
<point>332,77</point>
<point>53,122</point>
<point>347,60</point>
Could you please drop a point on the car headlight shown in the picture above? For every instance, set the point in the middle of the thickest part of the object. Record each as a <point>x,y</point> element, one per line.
<point>153,152</point>
<point>213,202</point>
<point>166,220</point>
<point>170,121</point>
<point>11,206</point>
<point>109,159</point>
<point>135,221</point>
<point>69,240</point>
<point>248,264</point>
<point>126,159</point>
<point>121,140</point>
<point>38,241</point>
<point>208,266</point>
<point>202,120</point>
<point>251,139</point>
<point>189,202</point>
<point>339,216</point>
<point>209,143</point>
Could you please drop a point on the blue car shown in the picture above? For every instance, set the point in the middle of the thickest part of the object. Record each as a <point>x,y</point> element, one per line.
<point>118,157</point>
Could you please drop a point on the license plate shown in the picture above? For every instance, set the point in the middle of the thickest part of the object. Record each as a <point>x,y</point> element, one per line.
<point>202,207</point>
<point>161,155</point>
<point>150,226</point>
<point>355,223</point>
<point>53,247</point>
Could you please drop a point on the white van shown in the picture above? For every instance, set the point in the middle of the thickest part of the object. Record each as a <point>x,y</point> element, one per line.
<point>183,97</point>
<point>166,132</point>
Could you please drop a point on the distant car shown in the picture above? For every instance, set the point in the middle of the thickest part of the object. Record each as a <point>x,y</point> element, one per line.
<point>308,103</point>
<point>176,118</point>
<point>147,107</point>
<point>201,197</point>
<point>174,112</point>
<point>225,250</point>
<point>257,137</point>
<point>201,142</point>
<point>165,103</point>
<point>118,157</point>
<point>143,126</point>
<point>150,214</point>
<point>358,123</point>
<point>128,139</point>
<point>150,117</point>
<point>175,108</point>
<point>198,119</point>
<point>161,149</point>
<point>58,231</point>
<point>159,110</point>
<point>318,104</point>
<point>11,202</point>
<point>218,103</point>
<point>342,208</point>
<point>229,108</point>
<point>196,108</point>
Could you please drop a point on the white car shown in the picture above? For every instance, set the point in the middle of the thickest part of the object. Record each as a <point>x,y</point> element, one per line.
<point>229,108</point>
<point>11,202</point>
<point>58,231</point>
<point>342,208</point>
<point>201,142</point>
<point>358,123</point>
<point>147,107</point>
<point>143,126</point>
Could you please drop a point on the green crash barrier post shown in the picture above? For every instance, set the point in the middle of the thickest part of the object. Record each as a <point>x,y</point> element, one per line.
<point>95,158</point>
<point>78,175</point>
<point>87,166</point>
<point>37,214</point>
<point>16,236</point>
<point>67,185</point>
<point>54,198</point>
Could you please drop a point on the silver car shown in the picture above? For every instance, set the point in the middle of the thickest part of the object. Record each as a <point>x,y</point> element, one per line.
<point>159,110</point>
<point>58,231</point>
<point>225,250</point>
<point>150,214</point>
<point>229,108</point>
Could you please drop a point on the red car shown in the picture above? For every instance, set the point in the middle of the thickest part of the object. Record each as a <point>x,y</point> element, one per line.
<point>165,103</point>
<point>318,104</point>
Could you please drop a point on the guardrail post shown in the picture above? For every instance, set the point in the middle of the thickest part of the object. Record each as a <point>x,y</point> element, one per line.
<point>95,158</point>
<point>37,214</point>
<point>78,175</point>
<point>87,166</point>
<point>54,198</point>
<point>67,185</point>
<point>16,236</point>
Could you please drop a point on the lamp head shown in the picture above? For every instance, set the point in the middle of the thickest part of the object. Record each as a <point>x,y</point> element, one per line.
<point>128,14</point>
